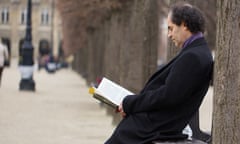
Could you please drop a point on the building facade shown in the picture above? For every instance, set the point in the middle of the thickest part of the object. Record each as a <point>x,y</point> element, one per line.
<point>46,25</point>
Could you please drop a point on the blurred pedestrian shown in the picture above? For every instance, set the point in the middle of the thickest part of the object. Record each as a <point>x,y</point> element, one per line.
<point>3,57</point>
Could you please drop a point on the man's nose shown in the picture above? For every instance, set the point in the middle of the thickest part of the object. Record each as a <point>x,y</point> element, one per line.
<point>169,35</point>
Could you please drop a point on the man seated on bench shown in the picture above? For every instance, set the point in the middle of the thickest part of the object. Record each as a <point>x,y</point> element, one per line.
<point>175,92</point>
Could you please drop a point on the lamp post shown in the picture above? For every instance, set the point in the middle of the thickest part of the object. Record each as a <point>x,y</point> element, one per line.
<point>26,63</point>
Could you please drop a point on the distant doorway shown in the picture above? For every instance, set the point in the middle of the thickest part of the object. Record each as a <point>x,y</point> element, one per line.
<point>20,46</point>
<point>43,53</point>
<point>44,48</point>
<point>7,43</point>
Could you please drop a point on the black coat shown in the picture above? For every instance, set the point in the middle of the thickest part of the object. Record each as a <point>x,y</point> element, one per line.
<point>169,99</point>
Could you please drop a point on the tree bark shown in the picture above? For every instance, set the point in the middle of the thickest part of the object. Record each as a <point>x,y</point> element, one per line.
<point>226,112</point>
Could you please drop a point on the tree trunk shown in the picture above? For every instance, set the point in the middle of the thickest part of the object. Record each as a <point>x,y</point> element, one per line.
<point>226,112</point>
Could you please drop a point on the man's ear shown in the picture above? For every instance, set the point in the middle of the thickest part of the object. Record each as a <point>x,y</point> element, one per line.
<point>184,26</point>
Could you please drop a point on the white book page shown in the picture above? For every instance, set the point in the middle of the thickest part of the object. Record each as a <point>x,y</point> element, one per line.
<point>112,91</point>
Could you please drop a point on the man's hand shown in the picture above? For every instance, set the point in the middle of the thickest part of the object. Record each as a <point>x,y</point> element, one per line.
<point>121,111</point>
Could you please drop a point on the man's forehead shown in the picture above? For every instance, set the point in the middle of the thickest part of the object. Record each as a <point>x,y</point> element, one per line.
<point>169,14</point>
<point>169,20</point>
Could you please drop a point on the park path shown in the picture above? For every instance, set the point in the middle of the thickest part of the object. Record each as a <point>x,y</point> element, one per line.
<point>60,111</point>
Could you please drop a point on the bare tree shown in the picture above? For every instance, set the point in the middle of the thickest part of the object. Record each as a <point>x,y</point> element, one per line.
<point>226,113</point>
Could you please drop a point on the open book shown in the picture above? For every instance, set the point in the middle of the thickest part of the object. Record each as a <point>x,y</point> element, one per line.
<point>109,92</point>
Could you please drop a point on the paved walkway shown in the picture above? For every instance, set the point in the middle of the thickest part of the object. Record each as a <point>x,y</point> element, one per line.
<point>60,111</point>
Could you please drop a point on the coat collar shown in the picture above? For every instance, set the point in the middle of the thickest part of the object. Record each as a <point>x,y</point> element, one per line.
<point>195,43</point>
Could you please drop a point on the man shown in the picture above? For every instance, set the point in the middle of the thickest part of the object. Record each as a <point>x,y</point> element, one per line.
<point>3,56</point>
<point>175,92</point>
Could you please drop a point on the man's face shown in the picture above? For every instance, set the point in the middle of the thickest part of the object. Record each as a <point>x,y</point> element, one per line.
<point>176,33</point>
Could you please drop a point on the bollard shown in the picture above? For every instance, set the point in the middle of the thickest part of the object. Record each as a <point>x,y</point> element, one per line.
<point>197,132</point>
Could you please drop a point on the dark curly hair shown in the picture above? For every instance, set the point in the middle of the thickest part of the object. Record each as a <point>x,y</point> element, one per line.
<point>191,16</point>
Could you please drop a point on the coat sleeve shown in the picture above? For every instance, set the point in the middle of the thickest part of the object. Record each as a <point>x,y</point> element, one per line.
<point>186,74</point>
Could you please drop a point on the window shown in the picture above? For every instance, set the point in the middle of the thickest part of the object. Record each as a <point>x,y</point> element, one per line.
<point>4,15</point>
<point>36,1</point>
<point>24,16</point>
<point>14,1</point>
<point>45,17</point>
